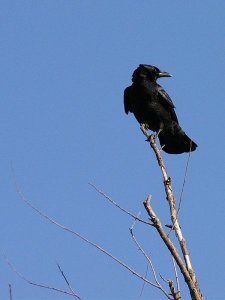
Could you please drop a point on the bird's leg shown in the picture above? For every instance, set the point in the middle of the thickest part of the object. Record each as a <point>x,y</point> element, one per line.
<point>161,127</point>
<point>158,132</point>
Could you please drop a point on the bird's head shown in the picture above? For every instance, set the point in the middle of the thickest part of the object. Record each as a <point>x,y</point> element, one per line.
<point>149,72</point>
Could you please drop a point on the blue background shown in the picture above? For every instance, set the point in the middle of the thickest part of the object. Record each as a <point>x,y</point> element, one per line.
<point>63,68</point>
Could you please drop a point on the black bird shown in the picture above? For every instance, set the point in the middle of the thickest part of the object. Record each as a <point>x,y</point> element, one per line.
<point>152,106</point>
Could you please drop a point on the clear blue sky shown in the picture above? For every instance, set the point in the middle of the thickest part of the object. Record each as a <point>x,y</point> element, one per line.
<point>64,66</point>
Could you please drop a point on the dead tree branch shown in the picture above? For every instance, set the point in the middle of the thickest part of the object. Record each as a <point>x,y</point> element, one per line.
<point>173,211</point>
<point>66,280</point>
<point>176,274</point>
<point>148,260</point>
<point>38,284</point>
<point>165,238</point>
<point>63,227</point>
<point>119,206</point>
<point>175,294</point>
<point>10,292</point>
<point>185,268</point>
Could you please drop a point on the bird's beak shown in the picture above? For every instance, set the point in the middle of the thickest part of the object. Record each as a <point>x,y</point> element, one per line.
<point>164,74</point>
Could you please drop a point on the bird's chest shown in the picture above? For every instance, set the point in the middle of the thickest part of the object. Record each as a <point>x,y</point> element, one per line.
<point>145,101</point>
<point>146,106</point>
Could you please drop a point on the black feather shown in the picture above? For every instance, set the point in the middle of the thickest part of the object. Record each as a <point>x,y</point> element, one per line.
<point>151,105</point>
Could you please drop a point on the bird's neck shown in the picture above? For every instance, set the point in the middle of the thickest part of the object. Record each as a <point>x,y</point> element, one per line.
<point>142,81</point>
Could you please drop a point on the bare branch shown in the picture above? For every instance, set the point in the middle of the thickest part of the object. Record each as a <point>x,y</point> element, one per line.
<point>175,294</point>
<point>37,284</point>
<point>182,191</point>
<point>148,260</point>
<point>155,220</point>
<point>184,181</point>
<point>187,269</point>
<point>118,206</point>
<point>67,282</point>
<point>176,274</point>
<point>143,252</point>
<point>10,292</point>
<point>173,212</point>
<point>163,235</point>
<point>51,220</point>
<point>143,285</point>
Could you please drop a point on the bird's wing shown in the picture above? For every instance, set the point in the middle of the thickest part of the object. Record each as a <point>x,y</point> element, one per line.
<point>165,98</point>
<point>127,101</point>
<point>167,102</point>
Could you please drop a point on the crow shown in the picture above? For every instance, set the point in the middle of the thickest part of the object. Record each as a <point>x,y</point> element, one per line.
<point>153,108</point>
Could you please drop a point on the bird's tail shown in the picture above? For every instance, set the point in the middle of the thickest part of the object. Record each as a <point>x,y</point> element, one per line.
<point>176,142</point>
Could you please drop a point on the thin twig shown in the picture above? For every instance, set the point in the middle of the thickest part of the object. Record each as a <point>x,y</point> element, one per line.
<point>10,292</point>
<point>163,279</point>
<point>146,272</point>
<point>67,282</point>
<point>147,258</point>
<point>176,274</point>
<point>182,191</point>
<point>184,181</point>
<point>51,220</point>
<point>143,285</point>
<point>118,206</point>
<point>143,252</point>
<point>37,284</point>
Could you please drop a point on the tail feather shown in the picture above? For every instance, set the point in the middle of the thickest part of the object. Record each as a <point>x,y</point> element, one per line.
<point>176,142</point>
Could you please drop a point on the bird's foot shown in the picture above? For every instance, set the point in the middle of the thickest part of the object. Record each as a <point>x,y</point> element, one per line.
<point>144,128</point>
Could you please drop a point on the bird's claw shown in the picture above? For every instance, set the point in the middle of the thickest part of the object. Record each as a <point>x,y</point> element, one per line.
<point>144,128</point>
